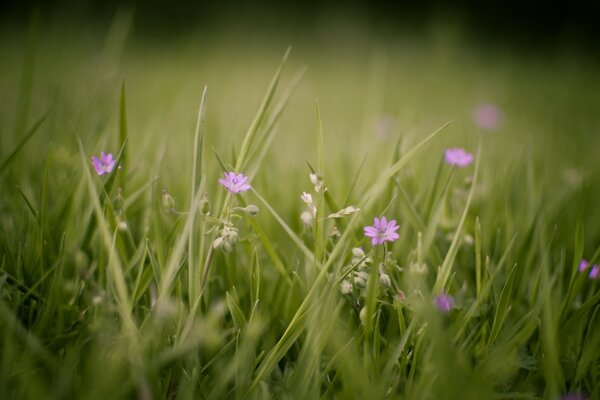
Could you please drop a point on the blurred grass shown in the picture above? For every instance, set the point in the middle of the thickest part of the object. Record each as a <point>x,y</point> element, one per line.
<point>99,285</point>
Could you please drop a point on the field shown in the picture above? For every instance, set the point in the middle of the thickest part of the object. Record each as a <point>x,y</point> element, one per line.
<point>151,279</point>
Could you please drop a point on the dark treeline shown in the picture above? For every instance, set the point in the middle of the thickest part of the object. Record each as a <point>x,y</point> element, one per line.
<point>521,22</point>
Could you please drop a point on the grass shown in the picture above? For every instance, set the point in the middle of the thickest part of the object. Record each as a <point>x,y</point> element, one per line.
<point>110,286</point>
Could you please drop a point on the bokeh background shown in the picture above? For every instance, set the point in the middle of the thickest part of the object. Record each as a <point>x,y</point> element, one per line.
<point>380,70</point>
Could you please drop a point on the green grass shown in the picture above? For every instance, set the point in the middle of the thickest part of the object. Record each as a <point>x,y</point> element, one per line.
<point>110,286</point>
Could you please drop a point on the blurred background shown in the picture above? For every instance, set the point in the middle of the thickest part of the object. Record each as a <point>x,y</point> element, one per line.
<point>380,71</point>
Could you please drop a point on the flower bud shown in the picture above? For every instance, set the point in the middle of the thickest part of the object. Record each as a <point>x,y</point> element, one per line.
<point>384,279</point>
<point>346,287</point>
<point>251,210</point>
<point>361,278</point>
<point>306,218</point>
<point>167,201</point>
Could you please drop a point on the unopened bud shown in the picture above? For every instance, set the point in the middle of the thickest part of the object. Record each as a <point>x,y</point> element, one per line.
<point>167,201</point>
<point>251,210</point>
<point>346,287</point>
<point>205,205</point>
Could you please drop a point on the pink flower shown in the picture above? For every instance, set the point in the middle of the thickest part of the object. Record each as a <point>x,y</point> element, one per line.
<point>382,231</point>
<point>235,183</point>
<point>104,164</point>
<point>444,302</point>
<point>583,264</point>
<point>594,272</point>
<point>488,116</point>
<point>457,156</point>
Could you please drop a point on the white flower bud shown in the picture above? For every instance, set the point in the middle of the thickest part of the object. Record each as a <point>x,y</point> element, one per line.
<point>306,217</point>
<point>346,287</point>
<point>384,279</point>
<point>251,210</point>
<point>307,198</point>
<point>358,252</point>
<point>361,278</point>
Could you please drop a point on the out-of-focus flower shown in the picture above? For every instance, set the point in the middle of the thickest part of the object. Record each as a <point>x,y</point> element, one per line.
<point>306,217</point>
<point>235,183</point>
<point>487,116</point>
<point>317,181</point>
<point>382,231</point>
<point>444,302</point>
<point>105,164</point>
<point>458,157</point>
<point>595,272</point>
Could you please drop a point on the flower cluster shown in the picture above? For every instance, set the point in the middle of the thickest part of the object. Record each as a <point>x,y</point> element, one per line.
<point>361,266</point>
<point>308,216</point>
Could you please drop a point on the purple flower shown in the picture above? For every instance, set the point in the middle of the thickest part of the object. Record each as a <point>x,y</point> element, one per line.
<point>382,231</point>
<point>594,271</point>
<point>488,116</point>
<point>457,156</point>
<point>444,302</point>
<point>104,164</point>
<point>235,183</point>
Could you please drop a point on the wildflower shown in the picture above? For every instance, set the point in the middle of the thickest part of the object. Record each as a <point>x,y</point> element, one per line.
<point>235,183</point>
<point>457,156</point>
<point>382,231</point>
<point>487,116</point>
<point>317,181</point>
<point>104,164</point>
<point>308,200</point>
<point>306,218</point>
<point>594,271</point>
<point>444,303</point>
<point>344,212</point>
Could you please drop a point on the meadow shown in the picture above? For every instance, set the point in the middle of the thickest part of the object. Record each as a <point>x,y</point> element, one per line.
<point>145,276</point>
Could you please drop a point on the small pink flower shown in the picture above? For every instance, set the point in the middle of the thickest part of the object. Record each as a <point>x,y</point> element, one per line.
<point>488,116</point>
<point>583,264</point>
<point>104,164</point>
<point>235,183</point>
<point>444,302</point>
<point>595,272</point>
<point>382,231</point>
<point>458,157</point>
